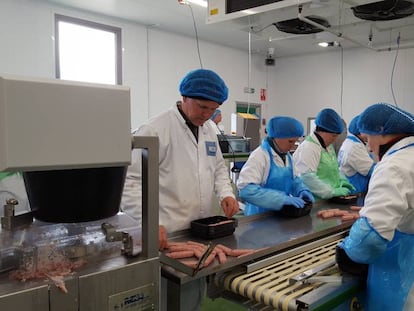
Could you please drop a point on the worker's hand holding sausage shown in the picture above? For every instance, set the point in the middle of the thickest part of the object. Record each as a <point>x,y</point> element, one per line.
<point>307,196</point>
<point>162,238</point>
<point>295,201</point>
<point>230,206</point>
<point>340,192</point>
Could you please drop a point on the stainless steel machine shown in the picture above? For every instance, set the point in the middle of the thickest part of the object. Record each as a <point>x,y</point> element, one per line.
<point>293,267</point>
<point>73,250</point>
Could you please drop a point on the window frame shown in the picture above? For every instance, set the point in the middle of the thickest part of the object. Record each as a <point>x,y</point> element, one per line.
<point>82,22</point>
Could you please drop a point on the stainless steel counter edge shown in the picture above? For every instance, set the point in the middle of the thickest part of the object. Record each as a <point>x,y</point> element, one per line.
<point>292,233</point>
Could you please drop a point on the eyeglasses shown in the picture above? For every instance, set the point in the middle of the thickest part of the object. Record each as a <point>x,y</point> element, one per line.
<point>204,107</point>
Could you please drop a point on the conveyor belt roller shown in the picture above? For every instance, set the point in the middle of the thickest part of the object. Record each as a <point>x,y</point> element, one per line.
<point>282,285</point>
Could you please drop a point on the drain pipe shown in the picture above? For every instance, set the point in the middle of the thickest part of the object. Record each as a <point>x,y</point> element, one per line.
<point>338,34</point>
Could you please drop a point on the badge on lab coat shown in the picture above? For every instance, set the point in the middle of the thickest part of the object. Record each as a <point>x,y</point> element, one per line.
<point>211,148</point>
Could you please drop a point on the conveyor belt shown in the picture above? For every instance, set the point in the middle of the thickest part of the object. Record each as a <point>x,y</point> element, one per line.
<point>273,285</point>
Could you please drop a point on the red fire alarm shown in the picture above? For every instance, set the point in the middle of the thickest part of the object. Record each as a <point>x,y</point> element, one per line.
<point>263,94</point>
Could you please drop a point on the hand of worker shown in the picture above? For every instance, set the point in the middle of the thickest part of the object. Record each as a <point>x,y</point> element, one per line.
<point>347,184</point>
<point>346,264</point>
<point>230,206</point>
<point>162,238</point>
<point>340,192</point>
<point>295,201</point>
<point>307,196</point>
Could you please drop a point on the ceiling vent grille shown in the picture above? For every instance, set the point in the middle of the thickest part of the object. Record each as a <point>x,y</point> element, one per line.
<point>296,26</point>
<point>384,10</point>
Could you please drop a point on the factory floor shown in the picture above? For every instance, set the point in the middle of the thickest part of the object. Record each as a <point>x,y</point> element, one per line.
<point>220,304</point>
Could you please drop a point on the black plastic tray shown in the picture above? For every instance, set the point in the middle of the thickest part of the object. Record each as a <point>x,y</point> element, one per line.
<point>349,199</point>
<point>293,211</point>
<point>213,227</point>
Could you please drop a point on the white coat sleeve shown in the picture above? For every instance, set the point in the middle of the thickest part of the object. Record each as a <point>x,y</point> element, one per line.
<point>131,201</point>
<point>386,201</point>
<point>360,160</point>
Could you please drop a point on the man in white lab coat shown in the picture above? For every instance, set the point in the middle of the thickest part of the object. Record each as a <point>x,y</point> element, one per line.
<point>383,236</point>
<point>191,166</point>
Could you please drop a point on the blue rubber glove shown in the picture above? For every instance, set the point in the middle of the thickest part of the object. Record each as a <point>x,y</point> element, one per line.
<point>306,195</point>
<point>296,202</point>
<point>340,192</point>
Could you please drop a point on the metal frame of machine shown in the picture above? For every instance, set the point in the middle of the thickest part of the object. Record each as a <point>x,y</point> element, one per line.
<point>117,283</point>
<point>52,125</point>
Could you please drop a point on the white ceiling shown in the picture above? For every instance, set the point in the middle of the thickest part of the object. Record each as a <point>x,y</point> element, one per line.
<point>255,33</point>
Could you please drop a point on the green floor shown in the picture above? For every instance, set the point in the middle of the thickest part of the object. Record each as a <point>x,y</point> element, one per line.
<point>220,304</point>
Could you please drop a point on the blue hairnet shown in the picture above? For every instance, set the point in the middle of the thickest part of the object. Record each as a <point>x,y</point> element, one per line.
<point>215,114</point>
<point>382,119</point>
<point>330,121</point>
<point>284,127</point>
<point>353,126</point>
<point>204,83</point>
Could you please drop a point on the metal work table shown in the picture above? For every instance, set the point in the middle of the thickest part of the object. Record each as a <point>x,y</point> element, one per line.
<point>276,238</point>
<point>273,233</point>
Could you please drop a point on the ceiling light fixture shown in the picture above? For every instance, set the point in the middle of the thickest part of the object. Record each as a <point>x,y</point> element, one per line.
<point>326,44</point>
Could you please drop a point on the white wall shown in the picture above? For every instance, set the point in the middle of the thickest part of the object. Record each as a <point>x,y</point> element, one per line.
<point>304,85</point>
<point>155,61</point>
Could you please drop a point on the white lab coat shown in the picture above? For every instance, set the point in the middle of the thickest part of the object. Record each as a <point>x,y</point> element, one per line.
<point>307,156</point>
<point>188,176</point>
<point>13,187</point>
<point>389,203</point>
<point>389,210</point>
<point>217,127</point>
<point>256,169</point>
<point>353,157</point>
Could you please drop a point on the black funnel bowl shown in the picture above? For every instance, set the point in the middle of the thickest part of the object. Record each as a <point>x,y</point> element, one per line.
<point>75,195</point>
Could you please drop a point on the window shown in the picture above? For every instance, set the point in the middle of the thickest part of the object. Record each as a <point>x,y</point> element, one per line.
<point>87,51</point>
<point>311,125</point>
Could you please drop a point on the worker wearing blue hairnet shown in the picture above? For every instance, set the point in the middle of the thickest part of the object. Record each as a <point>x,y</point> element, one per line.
<point>267,181</point>
<point>191,167</point>
<point>383,236</point>
<point>354,159</point>
<point>315,158</point>
<point>215,119</point>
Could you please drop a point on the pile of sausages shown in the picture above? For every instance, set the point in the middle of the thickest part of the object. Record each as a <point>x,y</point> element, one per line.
<point>353,214</point>
<point>189,253</point>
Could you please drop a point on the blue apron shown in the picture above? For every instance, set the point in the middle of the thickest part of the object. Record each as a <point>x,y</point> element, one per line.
<point>279,178</point>
<point>391,276</point>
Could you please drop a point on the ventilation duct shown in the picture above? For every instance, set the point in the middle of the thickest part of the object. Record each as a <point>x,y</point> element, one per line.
<point>384,10</point>
<point>296,26</point>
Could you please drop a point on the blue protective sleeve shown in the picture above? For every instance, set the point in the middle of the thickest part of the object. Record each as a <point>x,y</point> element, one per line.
<point>298,186</point>
<point>364,244</point>
<point>263,197</point>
